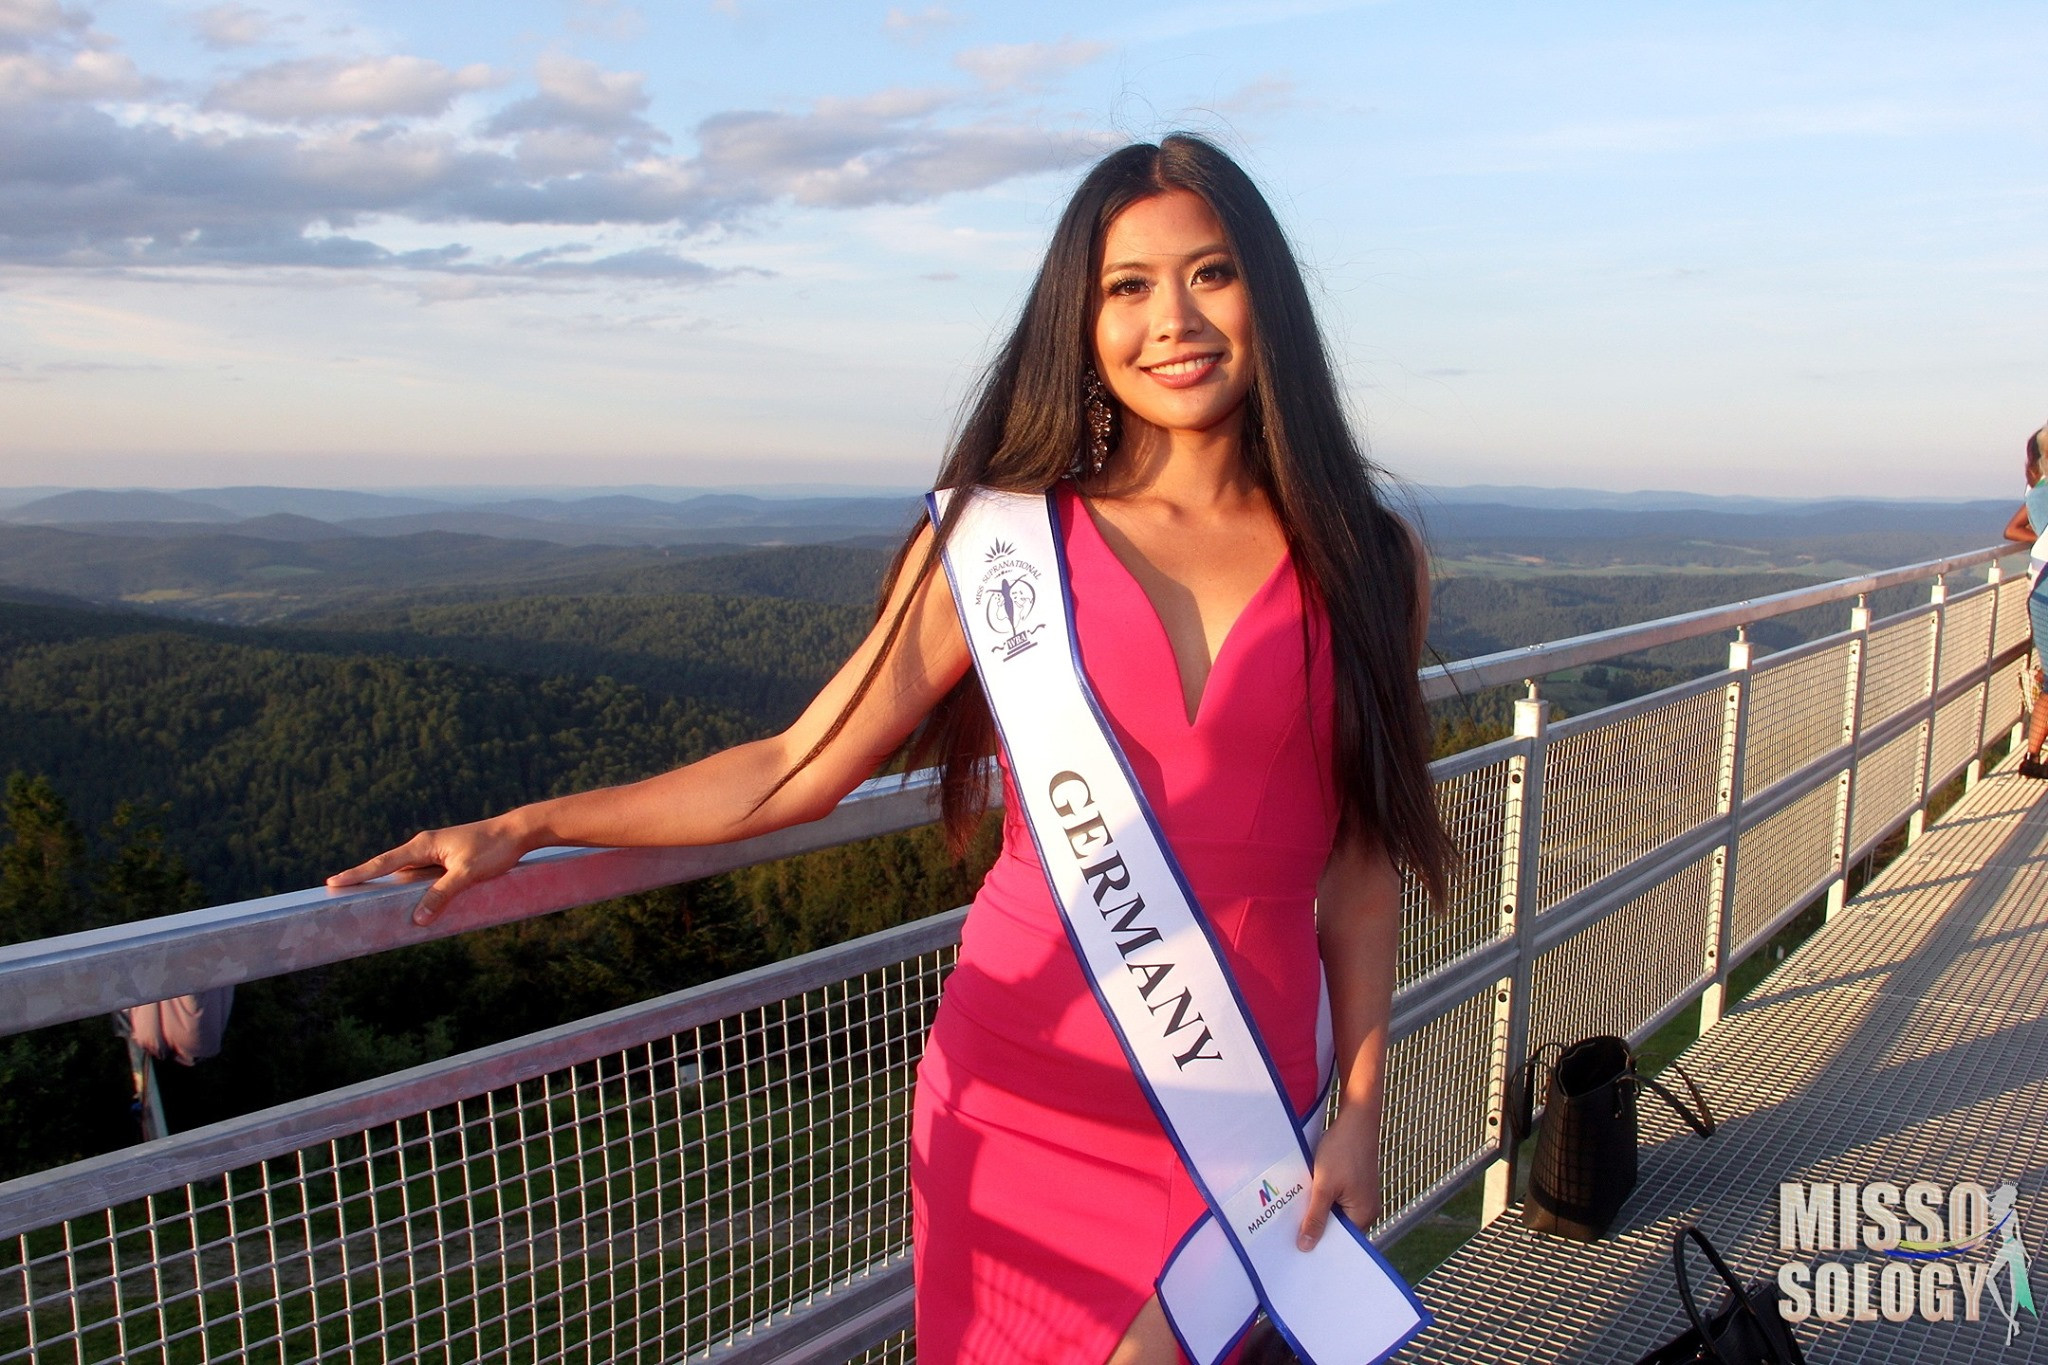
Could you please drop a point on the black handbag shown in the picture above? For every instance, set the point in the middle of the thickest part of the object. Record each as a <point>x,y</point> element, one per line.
<point>1585,1161</point>
<point>1745,1330</point>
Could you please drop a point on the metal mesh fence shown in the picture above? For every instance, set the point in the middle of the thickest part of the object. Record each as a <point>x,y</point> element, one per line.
<point>1780,858</point>
<point>900,1349</point>
<point>1474,808</point>
<point>1436,1102</point>
<point>1965,635</point>
<point>1956,739</point>
<point>2013,625</point>
<point>1895,667</point>
<point>2004,702</point>
<point>1613,792</point>
<point>643,1204</point>
<point>1884,790</point>
<point>1618,973</point>
<point>1795,714</point>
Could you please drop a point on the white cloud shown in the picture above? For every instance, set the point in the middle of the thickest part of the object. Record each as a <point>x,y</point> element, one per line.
<point>325,87</point>
<point>296,157</point>
<point>578,94</point>
<point>845,154</point>
<point>50,52</point>
<point>914,25</point>
<point>645,263</point>
<point>231,25</point>
<point>26,77</point>
<point>1010,66</point>
<point>23,20</point>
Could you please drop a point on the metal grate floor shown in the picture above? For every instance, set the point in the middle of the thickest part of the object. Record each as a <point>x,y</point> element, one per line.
<point>1907,1040</point>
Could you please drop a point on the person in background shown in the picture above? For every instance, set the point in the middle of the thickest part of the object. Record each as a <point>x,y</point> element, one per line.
<point>2029,525</point>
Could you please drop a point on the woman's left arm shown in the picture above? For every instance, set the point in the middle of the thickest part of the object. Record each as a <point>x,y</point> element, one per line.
<point>1358,925</point>
<point>1358,929</point>
<point>2021,527</point>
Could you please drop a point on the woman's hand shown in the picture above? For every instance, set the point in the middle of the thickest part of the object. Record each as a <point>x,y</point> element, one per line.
<point>467,854</point>
<point>1347,1175</point>
<point>2020,528</point>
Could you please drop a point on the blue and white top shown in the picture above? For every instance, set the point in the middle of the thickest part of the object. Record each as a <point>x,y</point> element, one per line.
<point>2037,517</point>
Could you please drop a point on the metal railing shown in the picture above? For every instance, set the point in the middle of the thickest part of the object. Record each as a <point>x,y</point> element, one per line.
<point>721,1173</point>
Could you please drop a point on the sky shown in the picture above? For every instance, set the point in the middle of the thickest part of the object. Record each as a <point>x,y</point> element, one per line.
<point>1793,250</point>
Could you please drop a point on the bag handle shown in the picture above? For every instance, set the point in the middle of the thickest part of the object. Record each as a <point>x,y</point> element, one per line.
<point>1702,1122</point>
<point>1524,1118</point>
<point>1735,1288</point>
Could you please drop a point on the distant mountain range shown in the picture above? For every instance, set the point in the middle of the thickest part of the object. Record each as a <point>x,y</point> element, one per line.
<point>662,517</point>
<point>307,514</point>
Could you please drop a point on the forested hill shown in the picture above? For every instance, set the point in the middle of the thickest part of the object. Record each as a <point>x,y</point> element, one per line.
<point>281,754</point>
<point>162,764</point>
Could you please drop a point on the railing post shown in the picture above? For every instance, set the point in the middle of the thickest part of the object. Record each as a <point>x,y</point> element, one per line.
<point>1521,843</point>
<point>1917,821</point>
<point>1852,736</point>
<point>1975,771</point>
<point>1721,896</point>
<point>2018,743</point>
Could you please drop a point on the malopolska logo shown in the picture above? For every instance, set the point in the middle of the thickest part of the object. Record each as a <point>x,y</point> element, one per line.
<point>1271,1201</point>
<point>1939,1252</point>
<point>1008,598</point>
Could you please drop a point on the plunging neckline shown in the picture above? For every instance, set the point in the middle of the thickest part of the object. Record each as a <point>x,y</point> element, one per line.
<point>1190,719</point>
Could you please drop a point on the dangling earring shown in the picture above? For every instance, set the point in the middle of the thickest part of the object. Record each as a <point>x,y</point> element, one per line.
<point>1101,420</point>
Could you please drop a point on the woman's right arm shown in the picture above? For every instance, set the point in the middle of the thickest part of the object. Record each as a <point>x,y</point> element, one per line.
<point>732,794</point>
<point>2020,527</point>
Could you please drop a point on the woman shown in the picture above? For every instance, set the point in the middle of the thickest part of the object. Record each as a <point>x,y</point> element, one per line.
<point>1250,617</point>
<point>2029,525</point>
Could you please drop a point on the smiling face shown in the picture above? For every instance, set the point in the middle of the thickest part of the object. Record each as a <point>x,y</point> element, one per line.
<point>1173,327</point>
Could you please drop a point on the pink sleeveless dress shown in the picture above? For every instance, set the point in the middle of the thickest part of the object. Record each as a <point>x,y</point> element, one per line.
<point>1045,1195</point>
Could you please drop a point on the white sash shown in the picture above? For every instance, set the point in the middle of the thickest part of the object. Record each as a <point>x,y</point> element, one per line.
<point>1158,973</point>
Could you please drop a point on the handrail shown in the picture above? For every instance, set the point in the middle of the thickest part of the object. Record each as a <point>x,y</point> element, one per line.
<point>1533,661</point>
<point>77,976</point>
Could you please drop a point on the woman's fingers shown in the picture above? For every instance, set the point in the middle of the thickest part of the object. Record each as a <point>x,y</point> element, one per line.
<point>1316,1217</point>
<point>1361,1207</point>
<point>1339,1185</point>
<point>467,854</point>
<point>438,895</point>
<point>411,853</point>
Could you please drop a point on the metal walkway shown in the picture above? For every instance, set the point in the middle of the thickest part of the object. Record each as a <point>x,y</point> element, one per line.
<point>1907,1040</point>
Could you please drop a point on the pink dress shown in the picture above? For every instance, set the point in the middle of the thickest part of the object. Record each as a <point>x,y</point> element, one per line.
<point>1045,1194</point>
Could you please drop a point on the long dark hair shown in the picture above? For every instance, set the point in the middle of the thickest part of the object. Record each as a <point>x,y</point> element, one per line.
<point>1024,426</point>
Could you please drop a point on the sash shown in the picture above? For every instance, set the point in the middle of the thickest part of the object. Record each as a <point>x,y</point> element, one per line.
<point>1157,972</point>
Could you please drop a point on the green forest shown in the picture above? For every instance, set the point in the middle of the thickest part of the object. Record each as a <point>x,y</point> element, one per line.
<point>160,764</point>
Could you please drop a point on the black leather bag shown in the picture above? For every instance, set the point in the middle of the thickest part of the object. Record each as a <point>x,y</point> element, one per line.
<point>1585,1161</point>
<point>1744,1330</point>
